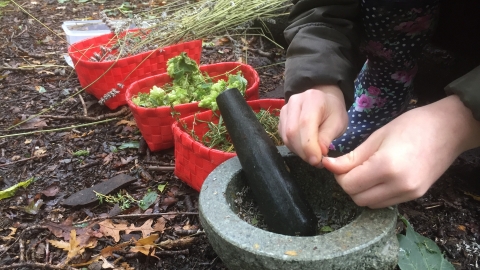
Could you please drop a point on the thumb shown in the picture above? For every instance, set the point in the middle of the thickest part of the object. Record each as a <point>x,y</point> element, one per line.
<point>347,162</point>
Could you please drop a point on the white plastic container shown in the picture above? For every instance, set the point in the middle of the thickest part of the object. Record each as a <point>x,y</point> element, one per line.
<point>80,30</point>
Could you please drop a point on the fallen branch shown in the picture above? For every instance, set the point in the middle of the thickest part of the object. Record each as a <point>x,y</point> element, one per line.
<point>35,265</point>
<point>22,160</point>
<point>88,118</point>
<point>161,168</point>
<point>137,216</point>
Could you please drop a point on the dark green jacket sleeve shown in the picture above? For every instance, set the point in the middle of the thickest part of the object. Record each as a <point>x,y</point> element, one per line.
<point>467,88</point>
<point>323,46</point>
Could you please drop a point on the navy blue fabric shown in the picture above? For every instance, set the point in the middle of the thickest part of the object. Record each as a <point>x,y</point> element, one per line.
<point>394,37</point>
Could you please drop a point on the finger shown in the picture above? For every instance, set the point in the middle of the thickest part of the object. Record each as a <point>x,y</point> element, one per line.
<point>309,135</point>
<point>289,128</point>
<point>379,196</point>
<point>346,163</point>
<point>330,130</point>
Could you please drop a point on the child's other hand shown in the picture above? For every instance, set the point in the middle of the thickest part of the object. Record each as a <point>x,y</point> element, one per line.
<point>311,120</point>
<point>400,161</point>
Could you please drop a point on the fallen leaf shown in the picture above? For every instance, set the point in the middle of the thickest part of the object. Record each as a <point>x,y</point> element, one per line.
<point>40,152</point>
<point>146,228</point>
<point>160,225</point>
<point>110,229</point>
<point>28,141</point>
<point>108,251</point>
<point>34,207</point>
<point>461,227</point>
<point>107,159</point>
<point>35,122</point>
<point>167,202</point>
<point>107,264</point>
<point>126,122</point>
<point>10,192</point>
<point>15,158</point>
<point>40,89</point>
<point>73,247</point>
<point>10,235</point>
<point>51,190</point>
<point>146,245</point>
<point>148,200</point>
<point>134,145</point>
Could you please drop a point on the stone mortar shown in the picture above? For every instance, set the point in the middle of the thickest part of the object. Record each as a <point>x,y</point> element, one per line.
<point>367,242</point>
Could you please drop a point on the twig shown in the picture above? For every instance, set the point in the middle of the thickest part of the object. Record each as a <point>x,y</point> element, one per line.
<point>88,118</point>
<point>160,253</point>
<point>138,216</point>
<point>22,160</point>
<point>21,243</point>
<point>20,236</point>
<point>83,105</point>
<point>270,55</point>
<point>58,129</point>
<point>35,265</point>
<point>161,168</point>
<point>88,165</point>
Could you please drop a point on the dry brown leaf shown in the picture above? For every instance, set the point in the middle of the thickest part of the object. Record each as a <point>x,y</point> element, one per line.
<point>40,152</point>
<point>160,225</point>
<point>146,245</point>
<point>73,247</point>
<point>10,235</point>
<point>126,266</point>
<point>110,229</point>
<point>107,264</point>
<point>126,122</point>
<point>107,159</point>
<point>177,243</point>
<point>51,190</point>
<point>146,228</point>
<point>108,251</point>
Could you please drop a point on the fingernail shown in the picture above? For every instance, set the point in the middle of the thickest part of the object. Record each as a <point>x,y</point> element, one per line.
<point>329,159</point>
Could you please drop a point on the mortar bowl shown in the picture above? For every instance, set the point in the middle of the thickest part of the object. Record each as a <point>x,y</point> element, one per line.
<point>364,239</point>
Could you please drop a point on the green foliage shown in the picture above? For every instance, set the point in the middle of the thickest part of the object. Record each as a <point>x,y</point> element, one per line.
<point>80,153</point>
<point>217,136</point>
<point>161,187</point>
<point>123,199</point>
<point>148,200</point>
<point>10,192</point>
<point>189,85</point>
<point>419,253</point>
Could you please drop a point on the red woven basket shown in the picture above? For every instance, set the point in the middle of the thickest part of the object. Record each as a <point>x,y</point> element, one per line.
<point>140,66</point>
<point>155,124</point>
<point>193,160</point>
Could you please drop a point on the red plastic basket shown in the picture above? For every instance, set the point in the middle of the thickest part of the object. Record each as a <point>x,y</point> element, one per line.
<point>155,124</point>
<point>193,160</point>
<point>135,67</point>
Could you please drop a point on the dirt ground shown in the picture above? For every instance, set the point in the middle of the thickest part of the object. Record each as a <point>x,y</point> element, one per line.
<point>34,76</point>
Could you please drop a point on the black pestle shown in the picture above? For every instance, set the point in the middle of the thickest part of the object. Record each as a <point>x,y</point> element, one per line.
<point>280,200</point>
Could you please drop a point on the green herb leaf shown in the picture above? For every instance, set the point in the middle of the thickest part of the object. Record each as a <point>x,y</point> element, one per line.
<point>148,200</point>
<point>161,187</point>
<point>129,145</point>
<point>10,192</point>
<point>419,253</point>
<point>326,229</point>
<point>80,153</point>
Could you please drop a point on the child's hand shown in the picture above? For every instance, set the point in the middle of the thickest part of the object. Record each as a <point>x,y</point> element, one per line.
<point>311,120</point>
<point>400,161</point>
